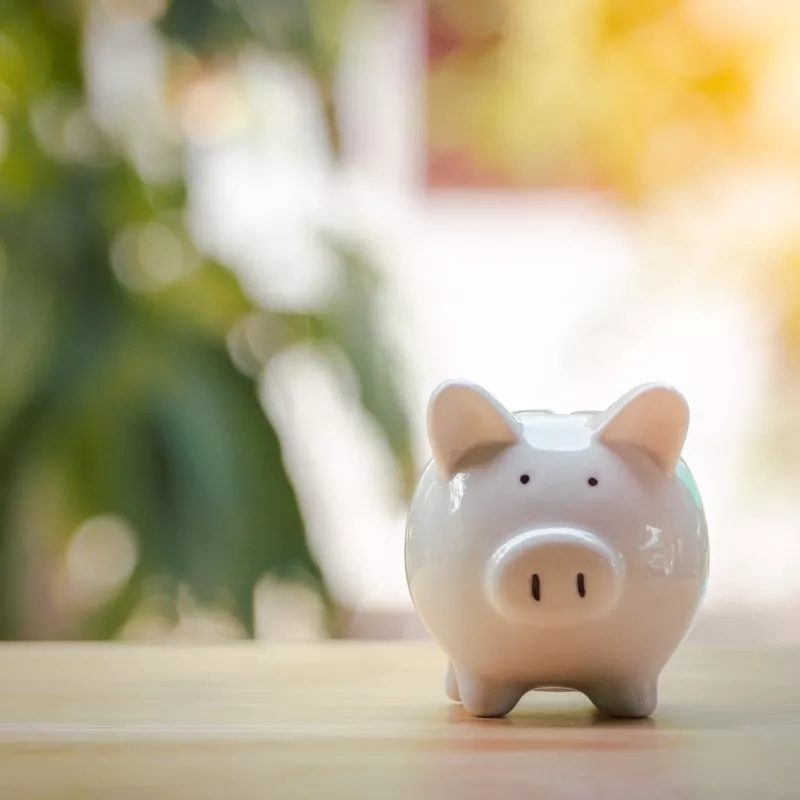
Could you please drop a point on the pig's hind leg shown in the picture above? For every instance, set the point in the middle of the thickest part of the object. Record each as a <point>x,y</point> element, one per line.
<point>485,698</point>
<point>451,684</point>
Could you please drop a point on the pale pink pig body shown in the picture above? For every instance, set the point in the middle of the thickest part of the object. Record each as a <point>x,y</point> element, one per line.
<point>548,550</point>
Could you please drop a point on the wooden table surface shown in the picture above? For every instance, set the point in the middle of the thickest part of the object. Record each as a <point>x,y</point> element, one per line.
<point>348,720</point>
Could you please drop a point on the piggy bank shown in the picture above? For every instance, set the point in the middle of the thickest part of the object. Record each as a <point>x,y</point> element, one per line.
<point>556,551</point>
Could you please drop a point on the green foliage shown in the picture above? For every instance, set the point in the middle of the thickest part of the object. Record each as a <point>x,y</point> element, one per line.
<point>119,394</point>
<point>310,30</point>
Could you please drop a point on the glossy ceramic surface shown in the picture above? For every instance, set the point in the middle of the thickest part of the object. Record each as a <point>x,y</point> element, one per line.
<point>556,551</point>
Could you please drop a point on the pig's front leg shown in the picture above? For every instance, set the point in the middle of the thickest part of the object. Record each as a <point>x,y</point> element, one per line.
<point>486,698</point>
<point>628,699</point>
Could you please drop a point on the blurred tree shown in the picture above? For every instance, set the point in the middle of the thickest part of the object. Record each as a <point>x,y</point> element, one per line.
<point>628,95</point>
<point>121,404</point>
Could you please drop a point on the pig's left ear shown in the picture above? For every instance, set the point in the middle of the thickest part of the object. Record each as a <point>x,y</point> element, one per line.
<point>466,425</point>
<point>653,417</point>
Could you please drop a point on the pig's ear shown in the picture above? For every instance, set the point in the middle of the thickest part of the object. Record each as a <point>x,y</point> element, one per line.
<point>653,417</point>
<point>466,426</point>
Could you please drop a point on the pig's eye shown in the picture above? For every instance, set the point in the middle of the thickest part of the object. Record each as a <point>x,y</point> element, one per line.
<point>592,481</point>
<point>524,478</point>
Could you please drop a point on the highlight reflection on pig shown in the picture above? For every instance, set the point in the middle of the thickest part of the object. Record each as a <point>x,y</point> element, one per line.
<point>556,551</point>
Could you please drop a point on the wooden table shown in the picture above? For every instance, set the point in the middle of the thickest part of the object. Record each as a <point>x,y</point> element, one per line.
<point>349,720</point>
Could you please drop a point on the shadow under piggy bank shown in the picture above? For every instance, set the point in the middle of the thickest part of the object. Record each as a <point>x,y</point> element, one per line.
<point>559,709</point>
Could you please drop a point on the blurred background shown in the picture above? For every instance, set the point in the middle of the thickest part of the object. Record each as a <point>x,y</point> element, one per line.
<point>242,240</point>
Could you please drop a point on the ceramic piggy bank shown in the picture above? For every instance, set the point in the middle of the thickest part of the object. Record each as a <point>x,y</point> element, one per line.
<point>556,551</point>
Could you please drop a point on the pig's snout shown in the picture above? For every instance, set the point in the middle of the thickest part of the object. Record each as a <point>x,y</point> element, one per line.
<point>555,576</point>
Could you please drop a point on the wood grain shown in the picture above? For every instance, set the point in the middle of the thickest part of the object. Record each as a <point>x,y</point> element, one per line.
<point>346,720</point>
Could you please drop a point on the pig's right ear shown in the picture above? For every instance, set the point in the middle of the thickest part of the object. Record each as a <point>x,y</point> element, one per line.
<point>467,426</point>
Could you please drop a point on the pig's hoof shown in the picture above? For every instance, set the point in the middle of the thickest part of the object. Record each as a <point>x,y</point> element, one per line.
<point>483,698</point>
<point>451,684</point>
<point>629,700</point>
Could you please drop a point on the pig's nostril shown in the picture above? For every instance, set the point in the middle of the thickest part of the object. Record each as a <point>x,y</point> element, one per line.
<point>581,585</point>
<point>536,589</point>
